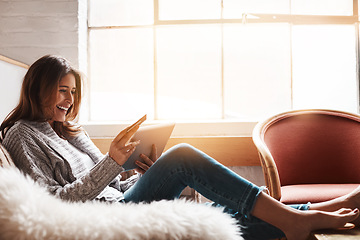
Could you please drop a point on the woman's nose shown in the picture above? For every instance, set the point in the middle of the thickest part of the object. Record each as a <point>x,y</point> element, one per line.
<point>70,97</point>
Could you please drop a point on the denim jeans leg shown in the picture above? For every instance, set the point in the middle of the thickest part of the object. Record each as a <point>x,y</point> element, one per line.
<point>183,166</point>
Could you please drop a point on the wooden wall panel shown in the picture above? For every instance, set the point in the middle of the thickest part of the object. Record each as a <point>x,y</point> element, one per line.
<point>230,151</point>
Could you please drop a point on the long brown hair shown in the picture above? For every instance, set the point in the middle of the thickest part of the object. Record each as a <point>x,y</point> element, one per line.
<point>39,87</point>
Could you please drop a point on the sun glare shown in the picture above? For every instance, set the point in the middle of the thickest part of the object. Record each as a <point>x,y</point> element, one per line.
<point>191,65</point>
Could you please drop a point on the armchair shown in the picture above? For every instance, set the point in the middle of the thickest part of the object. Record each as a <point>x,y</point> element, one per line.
<point>309,155</point>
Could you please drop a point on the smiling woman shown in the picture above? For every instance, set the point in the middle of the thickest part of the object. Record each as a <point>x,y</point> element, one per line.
<point>37,100</point>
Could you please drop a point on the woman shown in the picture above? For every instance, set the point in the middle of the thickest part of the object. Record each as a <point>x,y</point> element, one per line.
<point>45,144</point>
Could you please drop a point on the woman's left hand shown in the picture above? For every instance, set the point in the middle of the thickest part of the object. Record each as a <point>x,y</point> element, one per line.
<point>147,161</point>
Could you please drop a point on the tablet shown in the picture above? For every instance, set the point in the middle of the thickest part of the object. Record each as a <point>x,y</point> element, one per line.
<point>157,134</point>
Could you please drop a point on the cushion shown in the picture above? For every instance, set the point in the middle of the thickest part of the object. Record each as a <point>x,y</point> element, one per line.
<point>5,159</point>
<point>28,211</point>
<point>314,193</point>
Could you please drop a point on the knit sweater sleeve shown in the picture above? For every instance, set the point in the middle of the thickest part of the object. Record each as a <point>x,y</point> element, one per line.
<point>35,157</point>
<point>83,142</point>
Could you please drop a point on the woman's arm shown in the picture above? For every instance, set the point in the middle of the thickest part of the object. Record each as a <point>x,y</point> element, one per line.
<point>33,156</point>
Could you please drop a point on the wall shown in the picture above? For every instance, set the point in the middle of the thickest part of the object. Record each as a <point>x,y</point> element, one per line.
<point>33,28</point>
<point>11,77</point>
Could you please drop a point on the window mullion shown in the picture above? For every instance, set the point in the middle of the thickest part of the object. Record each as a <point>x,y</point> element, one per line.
<point>305,19</point>
<point>222,64</point>
<point>357,49</point>
<point>156,12</point>
<point>156,19</point>
<point>291,66</point>
<point>155,75</point>
<point>355,8</point>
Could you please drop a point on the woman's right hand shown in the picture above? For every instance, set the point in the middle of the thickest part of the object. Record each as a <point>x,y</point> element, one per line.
<point>121,148</point>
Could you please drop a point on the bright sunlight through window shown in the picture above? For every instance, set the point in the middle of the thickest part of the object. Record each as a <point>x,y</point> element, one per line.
<point>220,60</point>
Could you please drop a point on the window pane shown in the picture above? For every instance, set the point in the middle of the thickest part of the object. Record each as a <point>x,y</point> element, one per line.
<point>120,12</point>
<point>324,67</point>
<point>122,73</point>
<point>189,9</point>
<point>189,72</point>
<point>322,7</point>
<point>257,70</point>
<point>235,8</point>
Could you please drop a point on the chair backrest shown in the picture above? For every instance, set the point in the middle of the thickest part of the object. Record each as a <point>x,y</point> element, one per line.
<point>313,146</point>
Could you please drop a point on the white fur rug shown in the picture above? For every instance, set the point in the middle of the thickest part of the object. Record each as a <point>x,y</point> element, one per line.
<point>27,211</point>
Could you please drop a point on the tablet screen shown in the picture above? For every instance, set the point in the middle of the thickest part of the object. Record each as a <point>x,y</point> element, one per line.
<point>157,134</point>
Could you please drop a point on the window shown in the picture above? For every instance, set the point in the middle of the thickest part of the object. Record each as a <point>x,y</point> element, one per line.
<point>220,60</point>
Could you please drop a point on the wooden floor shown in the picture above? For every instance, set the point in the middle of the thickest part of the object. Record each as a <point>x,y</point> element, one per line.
<point>351,234</point>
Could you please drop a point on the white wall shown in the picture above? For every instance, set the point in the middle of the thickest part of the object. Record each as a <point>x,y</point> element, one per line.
<point>30,29</point>
<point>11,77</point>
<point>33,28</point>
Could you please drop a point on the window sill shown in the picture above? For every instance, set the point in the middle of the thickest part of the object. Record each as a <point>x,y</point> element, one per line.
<point>182,129</point>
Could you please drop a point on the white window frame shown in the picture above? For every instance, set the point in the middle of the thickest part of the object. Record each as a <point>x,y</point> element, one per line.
<point>222,127</point>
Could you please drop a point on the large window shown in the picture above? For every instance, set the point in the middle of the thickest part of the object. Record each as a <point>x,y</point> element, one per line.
<point>220,60</point>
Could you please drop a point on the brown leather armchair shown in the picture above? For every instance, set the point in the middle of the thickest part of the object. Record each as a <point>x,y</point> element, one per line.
<point>309,155</point>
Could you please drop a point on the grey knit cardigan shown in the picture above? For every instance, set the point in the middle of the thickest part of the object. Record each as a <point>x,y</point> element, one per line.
<point>38,151</point>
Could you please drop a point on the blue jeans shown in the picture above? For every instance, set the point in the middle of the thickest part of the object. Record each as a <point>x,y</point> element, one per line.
<point>184,165</point>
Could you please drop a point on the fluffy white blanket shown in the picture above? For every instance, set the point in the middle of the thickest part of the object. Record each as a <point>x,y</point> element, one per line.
<point>27,211</point>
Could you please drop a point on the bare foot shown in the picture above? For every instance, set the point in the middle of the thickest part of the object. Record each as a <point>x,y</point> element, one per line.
<point>311,220</point>
<point>352,200</point>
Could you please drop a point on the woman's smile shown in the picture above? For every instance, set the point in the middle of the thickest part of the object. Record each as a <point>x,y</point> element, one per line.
<point>62,108</point>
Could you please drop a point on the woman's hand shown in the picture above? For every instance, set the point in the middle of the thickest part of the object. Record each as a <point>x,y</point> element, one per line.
<point>147,161</point>
<point>121,148</point>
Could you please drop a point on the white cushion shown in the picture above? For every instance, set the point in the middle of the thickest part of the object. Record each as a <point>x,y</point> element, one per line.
<point>28,211</point>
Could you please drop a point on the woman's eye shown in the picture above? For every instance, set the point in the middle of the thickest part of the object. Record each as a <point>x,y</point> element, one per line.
<point>73,92</point>
<point>62,90</point>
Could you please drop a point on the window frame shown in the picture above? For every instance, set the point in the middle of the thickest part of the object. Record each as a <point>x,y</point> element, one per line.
<point>222,127</point>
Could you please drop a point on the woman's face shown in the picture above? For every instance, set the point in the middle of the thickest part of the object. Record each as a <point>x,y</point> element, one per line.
<point>64,97</point>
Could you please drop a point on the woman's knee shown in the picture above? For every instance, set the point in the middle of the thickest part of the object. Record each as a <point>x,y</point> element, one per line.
<point>180,153</point>
<point>183,150</point>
